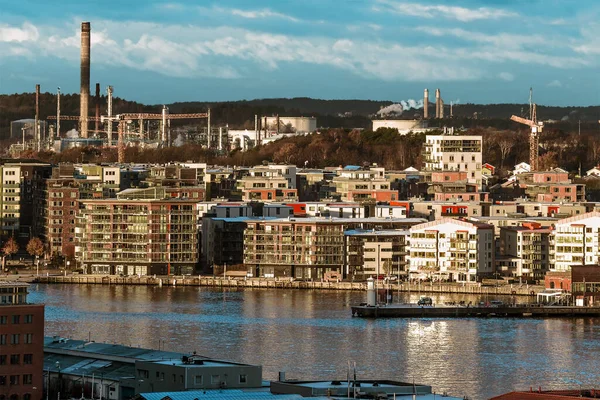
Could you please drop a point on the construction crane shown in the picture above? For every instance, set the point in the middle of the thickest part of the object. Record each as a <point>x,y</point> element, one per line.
<point>534,136</point>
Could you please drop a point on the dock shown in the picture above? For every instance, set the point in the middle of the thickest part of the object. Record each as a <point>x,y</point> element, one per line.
<point>282,283</point>
<point>504,311</point>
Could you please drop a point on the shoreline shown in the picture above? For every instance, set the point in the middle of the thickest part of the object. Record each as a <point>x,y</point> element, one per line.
<point>218,282</point>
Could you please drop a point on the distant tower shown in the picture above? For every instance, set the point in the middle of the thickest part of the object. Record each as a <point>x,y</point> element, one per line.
<point>84,92</point>
<point>426,104</point>
<point>437,103</point>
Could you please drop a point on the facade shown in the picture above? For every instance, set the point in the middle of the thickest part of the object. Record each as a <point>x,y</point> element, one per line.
<point>302,248</point>
<point>452,249</point>
<point>357,184</point>
<point>222,241</point>
<point>22,201</point>
<point>524,251</point>
<point>134,237</point>
<point>269,184</point>
<point>454,153</point>
<point>576,241</point>
<point>21,344</point>
<point>373,253</point>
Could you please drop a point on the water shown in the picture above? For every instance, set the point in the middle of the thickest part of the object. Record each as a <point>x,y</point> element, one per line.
<point>312,335</point>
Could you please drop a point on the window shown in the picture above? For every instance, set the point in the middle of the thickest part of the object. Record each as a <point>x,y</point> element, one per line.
<point>15,359</point>
<point>2,380</point>
<point>198,380</point>
<point>3,320</point>
<point>27,396</point>
<point>143,373</point>
<point>3,359</point>
<point>2,339</point>
<point>174,378</point>
<point>27,379</point>
<point>14,379</point>
<point>243,378</point>
<point>28,338</point>
<point>215,379</point>
<point>28,318</point>
<point>27,359</point>
<point>16,319</point>
<point>14,338</point>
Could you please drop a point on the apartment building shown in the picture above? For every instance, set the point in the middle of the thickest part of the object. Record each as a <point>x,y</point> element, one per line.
<point>139,236</point>
<point>449,152</point>
<point>222,241</point>
<point>268,184</point>
<point>524,251</point>
<point>302,248</point>
<point>452,249</point>
<point>21,344</point>
<point>362,184</point>
<point>63,207</point>
<point>551,186</point>
<point>576,241</point>
<point>373,253</point>
<point>22,201</point>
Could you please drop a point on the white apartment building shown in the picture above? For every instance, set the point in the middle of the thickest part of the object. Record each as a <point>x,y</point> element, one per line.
<point>453,249</point>
<point>454,153</point>
<point>576,241</point>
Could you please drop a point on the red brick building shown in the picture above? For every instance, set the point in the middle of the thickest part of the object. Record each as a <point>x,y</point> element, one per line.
<point>21,344</point>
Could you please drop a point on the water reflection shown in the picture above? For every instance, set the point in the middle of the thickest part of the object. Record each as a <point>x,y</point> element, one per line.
<point>312,335</point>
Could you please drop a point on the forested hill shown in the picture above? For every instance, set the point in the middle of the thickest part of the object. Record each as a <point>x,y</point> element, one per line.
<point>330,113</point>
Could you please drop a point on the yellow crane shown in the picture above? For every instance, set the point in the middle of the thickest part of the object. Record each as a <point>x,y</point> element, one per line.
<point>534,136</point>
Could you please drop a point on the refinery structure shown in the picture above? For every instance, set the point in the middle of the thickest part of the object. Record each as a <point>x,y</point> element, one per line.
<point>139,128</point>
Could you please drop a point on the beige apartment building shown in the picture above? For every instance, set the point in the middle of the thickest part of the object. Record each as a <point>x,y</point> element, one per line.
<point>137,237</point>
<point>302,248</point>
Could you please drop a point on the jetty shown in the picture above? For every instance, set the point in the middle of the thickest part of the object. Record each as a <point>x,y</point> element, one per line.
<point>442,311</point>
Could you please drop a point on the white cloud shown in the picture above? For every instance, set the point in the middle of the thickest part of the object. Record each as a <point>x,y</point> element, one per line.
<point>506,76</point>
<point>257,14</point>
<point>26,33</point>
<point>436,11</point>
<point>555,83</point>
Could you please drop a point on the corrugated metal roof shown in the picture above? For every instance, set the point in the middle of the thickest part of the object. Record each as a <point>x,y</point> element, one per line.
<point>226,394</point>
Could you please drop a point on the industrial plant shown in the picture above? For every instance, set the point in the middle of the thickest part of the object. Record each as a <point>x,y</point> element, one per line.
<point>140,129</point>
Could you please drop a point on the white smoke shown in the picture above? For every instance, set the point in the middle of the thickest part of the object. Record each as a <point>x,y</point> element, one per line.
<point>391,110</point>
<point>410,103</point>
<point>179,141</point>
<point>72,134</point>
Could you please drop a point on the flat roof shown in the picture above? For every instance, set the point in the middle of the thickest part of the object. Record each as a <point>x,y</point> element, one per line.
<point>385,232</point>
<point>227,394</point>
<point>334,220</point>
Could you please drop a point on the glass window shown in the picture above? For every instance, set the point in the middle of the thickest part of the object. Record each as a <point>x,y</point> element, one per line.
<point>28,318</point>
<point>198,380</point>
<point>16,319</point>
<point>15,359</point>
<point>243,378</point>
<point>215,379</point>
<point>27,358</point>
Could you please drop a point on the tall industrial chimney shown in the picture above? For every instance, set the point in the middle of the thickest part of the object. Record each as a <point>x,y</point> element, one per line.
<point>426,104</point>
<point>437,103</point>
<point>85,79</point>
<point>97,101</point>
<point>441,108</point>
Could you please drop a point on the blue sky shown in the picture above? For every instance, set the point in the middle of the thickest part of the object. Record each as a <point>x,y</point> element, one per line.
<point>479,51</point>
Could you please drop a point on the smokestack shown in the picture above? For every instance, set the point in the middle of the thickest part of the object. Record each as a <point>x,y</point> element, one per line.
<point>441,108</point>
<point>85,79</point>
<point>437,103</point>
<point>97,122</point>
<point>36,128</point>
<point>426,104</point>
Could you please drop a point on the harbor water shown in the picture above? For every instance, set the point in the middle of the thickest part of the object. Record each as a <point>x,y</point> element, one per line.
<point>311,334</point>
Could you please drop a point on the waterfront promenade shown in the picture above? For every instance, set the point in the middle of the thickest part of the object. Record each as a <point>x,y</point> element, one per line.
<point>219,282</point>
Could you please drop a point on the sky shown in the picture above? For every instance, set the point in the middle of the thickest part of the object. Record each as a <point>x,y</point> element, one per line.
<point>154,52</point>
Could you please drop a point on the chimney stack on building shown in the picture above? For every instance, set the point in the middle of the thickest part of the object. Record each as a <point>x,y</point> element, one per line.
<point>426,104</point>
<point>85,79</point>
<point>441,108</point>
<point>437,103</point>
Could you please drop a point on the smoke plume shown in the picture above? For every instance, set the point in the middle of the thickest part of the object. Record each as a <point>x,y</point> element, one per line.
<point>72,134</point>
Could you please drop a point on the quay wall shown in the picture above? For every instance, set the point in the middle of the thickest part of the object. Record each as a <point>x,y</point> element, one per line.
<point>424,288</point>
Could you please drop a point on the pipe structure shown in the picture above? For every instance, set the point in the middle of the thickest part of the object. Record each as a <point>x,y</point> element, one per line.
<point>441,108</point>
<point>208,131</point>
<point>97,122</point>
<point>163,133</point>
<point>58,113</point>
<point>437,103</point>
<point>109,98</point>
<point>84,93</point>
<point>36,128</point>
<point>426,104</point>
